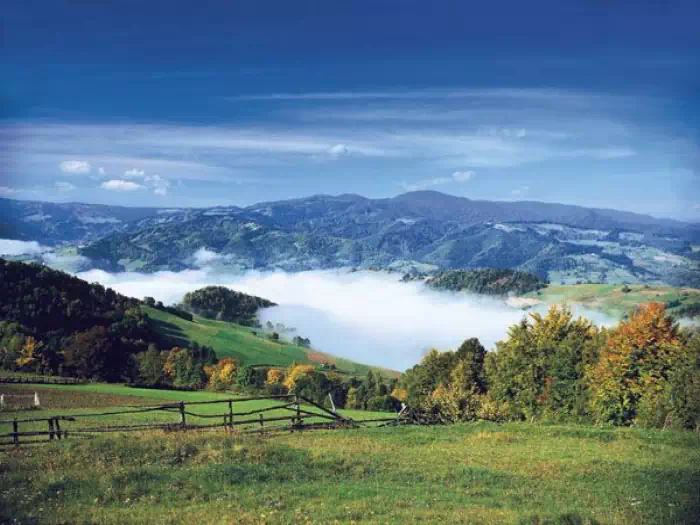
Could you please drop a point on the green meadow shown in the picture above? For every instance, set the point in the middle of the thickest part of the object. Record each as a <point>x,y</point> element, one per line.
<point>614,299</point>
<point>465,473</point>
<point>248,345</point>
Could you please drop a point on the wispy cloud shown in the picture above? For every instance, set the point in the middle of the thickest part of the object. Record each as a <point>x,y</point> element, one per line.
<point>457,176</point>
<point>122,185</point>
<point>500,93</point>
<point>75,166</point>
<point>134,173</point>
<point>65,186</point>
<point>6,191</point>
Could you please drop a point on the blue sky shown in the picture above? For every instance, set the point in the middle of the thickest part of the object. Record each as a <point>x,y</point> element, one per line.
<point>195,104</point>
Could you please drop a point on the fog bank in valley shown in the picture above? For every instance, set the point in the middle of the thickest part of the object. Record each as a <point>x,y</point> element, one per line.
<point>365,316</point>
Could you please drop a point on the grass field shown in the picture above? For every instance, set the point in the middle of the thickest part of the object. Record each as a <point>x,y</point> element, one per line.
<point>240,342</point>
<point>610,298</point>
<point>467,473</point>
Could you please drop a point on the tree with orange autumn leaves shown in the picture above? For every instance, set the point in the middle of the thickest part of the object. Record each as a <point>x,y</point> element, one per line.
<point>628,381</point>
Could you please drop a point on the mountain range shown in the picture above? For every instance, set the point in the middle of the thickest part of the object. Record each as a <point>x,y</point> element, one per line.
<point>424,231</point>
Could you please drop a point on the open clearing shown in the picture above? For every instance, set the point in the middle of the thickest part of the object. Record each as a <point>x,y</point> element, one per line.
<point>610,298</point>
<point>466,473</point>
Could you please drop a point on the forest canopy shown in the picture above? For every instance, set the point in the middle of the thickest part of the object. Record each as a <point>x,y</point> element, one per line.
<point>489,281</point>
<point>224,304</point>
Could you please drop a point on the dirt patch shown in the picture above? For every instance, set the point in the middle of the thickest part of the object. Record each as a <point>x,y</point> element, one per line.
<point>319,357</point>
<point>58,398</point>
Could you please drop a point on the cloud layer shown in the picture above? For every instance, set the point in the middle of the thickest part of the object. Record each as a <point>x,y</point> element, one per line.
<point>365,316</point>
<point>12,247</point>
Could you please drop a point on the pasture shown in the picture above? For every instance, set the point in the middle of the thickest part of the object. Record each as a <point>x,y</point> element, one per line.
<point>248,345</point>
<point>612,299</point>
<point>123,404</point>
<point>465,473</point>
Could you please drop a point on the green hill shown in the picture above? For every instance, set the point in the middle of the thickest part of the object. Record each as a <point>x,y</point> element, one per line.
<point>618,300</point>
<point>246,344</point>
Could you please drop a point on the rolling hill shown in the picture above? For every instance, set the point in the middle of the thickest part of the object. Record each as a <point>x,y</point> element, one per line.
<point>246,344</point>
<point>428,230</point>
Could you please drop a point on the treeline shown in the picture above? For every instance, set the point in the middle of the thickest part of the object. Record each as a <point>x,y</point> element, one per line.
<point>645,371</point>
<point>489,281</point>
<point>54,323</point>
<point>185,368</point>
<point>223,304</point>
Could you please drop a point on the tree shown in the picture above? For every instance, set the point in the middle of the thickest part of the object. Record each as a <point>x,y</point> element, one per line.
<point>295,373</point>
<point>472,354</point>
<point>682,393</point>
<point>539,370</point>
<point>93,355</point>
<point>635,363</point>
<point>150,366</point>
<point>184,368</point>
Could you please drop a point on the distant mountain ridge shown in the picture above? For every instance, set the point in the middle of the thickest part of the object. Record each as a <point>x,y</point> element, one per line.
<point>426,229</point>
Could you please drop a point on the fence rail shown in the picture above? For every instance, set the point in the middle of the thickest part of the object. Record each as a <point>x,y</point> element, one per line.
<point>41,380</point>
<point>300,407</point>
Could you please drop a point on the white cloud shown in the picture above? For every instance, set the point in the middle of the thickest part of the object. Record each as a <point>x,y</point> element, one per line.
<point>457,176</point>
<point>102,171</point>
<point>13,247</point>
<point>159,184</point>
<point>134,173</point>
<point>462,176</point>
<point>121,185</point>
<point>6,191</point>
<point>366,316</point>
<point>65,186</point>
<point>204,257</point>
<point>75,166</point>
<point>339,150</point>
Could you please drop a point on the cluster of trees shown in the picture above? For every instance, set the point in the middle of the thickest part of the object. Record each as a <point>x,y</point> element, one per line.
<point>645,371</point>
<point>53,323</point>
<point>371,392</point>
<point>490,281</point>
<point>223,304</point>
<point>182,368</point>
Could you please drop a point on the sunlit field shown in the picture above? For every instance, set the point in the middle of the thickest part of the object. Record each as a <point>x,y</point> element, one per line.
<point>465,473</point>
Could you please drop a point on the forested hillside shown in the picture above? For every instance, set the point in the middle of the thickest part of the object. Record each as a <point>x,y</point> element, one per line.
<point>489,281</point>
<point>224,304</point>
<point>563,244</point>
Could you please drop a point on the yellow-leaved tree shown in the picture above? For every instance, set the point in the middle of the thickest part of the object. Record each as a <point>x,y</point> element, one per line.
<point>295,372</point>
<point>275,376</point>
<point>29,354</point>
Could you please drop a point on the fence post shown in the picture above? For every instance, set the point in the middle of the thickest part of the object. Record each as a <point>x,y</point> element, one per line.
<point>58,428</point>
<point>230,414</point>
<point>297,423</point>
<point>2,401</point>
<point>50,429</point>
<point>261,423</point>
<point>182,413</point>
<point>36,400</point>
<point>15,437</point>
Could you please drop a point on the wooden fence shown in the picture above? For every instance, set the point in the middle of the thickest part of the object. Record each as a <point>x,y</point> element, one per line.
<point>43,380</point>
<point>247,421</point>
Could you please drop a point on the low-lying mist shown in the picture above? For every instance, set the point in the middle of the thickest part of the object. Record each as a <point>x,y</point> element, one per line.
<point>368,317</point>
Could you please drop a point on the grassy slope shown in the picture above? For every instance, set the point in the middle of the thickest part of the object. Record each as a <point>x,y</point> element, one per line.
<point>232,340</point>
<point>467,473</point>
<point>609,297</point>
